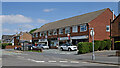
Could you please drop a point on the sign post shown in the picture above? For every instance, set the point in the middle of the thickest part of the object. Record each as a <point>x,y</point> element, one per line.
<point>92,33</point>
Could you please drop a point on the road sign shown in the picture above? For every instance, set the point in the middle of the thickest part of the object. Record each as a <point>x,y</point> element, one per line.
<point>92,33</point>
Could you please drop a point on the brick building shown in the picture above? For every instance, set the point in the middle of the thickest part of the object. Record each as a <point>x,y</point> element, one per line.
<point>22,36</point>
<point>77,27</point>
<point>115,30</point>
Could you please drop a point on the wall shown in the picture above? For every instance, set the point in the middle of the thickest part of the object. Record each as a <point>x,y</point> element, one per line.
<point>99,25</point>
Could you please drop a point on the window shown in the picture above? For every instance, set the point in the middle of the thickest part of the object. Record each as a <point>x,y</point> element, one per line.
<point>61,31</point>
<point>107,28</point>
<point>40,34</point>
<point>36,34</point>
<point>17,38</point>
<point>33,35</point>
<point>75,29</point>
<point>45,33</point>
<point>83,28</point>
<point>49,33</point>
<point>55,32</point>
<point>67,30</point>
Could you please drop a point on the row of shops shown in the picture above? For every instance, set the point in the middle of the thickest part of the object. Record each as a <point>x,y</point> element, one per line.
<point>54,42</point>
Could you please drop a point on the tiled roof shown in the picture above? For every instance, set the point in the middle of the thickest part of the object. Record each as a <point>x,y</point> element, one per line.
<point>76,20</point>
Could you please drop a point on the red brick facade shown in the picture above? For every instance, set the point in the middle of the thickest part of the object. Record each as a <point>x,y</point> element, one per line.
<point>99,24</point>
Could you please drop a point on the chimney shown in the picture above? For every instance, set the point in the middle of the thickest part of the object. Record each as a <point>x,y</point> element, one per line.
<point>113,14</point>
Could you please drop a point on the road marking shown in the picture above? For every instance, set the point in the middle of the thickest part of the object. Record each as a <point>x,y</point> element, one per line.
<point>52,61</point>
<point>63,61</point>
<point>39,61</point>
<point>74,62</point>
<point>84,62</point>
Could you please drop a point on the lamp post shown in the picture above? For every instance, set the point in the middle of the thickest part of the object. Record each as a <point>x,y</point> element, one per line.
<point>92,34</point>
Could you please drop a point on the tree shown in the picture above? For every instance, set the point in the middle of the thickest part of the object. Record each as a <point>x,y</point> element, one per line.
<point>32,30</point>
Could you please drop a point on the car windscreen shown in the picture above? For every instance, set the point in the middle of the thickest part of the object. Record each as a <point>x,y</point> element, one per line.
<point>69,44</point>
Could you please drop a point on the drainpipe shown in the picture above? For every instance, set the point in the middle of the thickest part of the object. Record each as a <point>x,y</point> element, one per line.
<point>113,14</point>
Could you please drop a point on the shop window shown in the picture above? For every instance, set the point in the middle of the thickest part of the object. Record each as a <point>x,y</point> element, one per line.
<point>83,28</point>
<point>61,31</point>
<point>75,29</point>
<point>67,30</point>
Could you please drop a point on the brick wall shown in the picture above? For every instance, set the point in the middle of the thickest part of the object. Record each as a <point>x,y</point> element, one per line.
<point>99,25</point>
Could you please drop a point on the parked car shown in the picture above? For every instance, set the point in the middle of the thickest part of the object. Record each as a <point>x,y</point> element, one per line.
<point>68,47</point>
<point>27,47</point>
<point>43,46</point>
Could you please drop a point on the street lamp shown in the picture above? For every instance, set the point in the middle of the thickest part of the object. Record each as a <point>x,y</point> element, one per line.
<point>92,33</point>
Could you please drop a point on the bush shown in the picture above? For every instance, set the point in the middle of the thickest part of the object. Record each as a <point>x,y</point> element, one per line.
<point>4,45</point>
<point>97,45</point>
<point>91,47</point>
<point>102,45</point>
<point>9,43</point>
<point>108,44</point>
<point>83,47</point>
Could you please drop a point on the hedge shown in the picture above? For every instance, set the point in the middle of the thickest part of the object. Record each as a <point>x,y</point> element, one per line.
<point>108,44</point>
<point>5,44</point>
<point>83,47</point>
<point>86,47</point>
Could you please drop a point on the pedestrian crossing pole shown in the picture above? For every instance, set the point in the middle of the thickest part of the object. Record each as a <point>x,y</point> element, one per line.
<point>92,34</point>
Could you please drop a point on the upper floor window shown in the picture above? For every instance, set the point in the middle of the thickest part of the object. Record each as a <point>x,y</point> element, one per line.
<point>83,28</point>
<point>49,33</point>
<point>45,33</point>
<point>67,30</point>
<point>55,32</point>
<point>75,29</point>
<point>107,28</point>
<point>33,35</point>
<point>61,31</point>
<point>40,34</point>
<point>18,38</point>
<point>36,34</point>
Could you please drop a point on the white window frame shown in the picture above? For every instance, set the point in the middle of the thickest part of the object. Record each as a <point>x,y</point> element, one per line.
<point>33,35</point>
<point>40,34</point>
<point>45,33</point>
<point>55,32</point>
<point>36,34</point>
<point>108,26</point>
<point>83,26</point>
<point>49,33</point>
<point>60,31</point>
<point>74,29</point>
<point>67,28</point>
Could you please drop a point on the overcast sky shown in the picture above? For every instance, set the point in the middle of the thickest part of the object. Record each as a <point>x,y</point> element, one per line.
<point>25,16</point>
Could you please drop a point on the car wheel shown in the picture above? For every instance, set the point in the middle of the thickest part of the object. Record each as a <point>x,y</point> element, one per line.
<point>69,49</point>
<point>61,49</point>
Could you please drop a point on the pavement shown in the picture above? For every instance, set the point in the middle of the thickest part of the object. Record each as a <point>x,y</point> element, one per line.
<point>55,57</point>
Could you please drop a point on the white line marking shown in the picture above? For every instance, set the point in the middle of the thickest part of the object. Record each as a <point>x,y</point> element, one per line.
<point>39,61</point>
<point>63,61</point>
<point>52,61</point>
<point>84,62</point>
<point>74,62</point>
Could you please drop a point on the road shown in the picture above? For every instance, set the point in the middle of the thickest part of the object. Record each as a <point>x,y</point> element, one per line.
<point>47,58</point>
